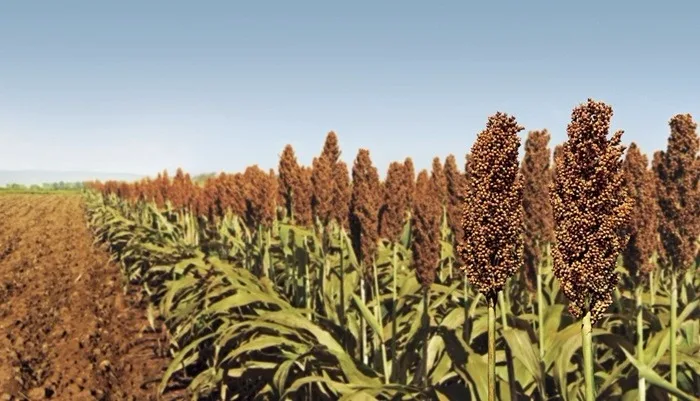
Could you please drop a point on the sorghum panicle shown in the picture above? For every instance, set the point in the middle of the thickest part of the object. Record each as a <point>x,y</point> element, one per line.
<point>331,183</point>
<point>642,226</point>
<point>467,161</point>
<point>260,194</point>
<point>302,196</point>
<point>322,181</point>
<point>341,193</point>
<point>492,217</point>
<point>409,182</point>
<point>288,171</point>
<point>456,183</point>
<point>537,210</point>
<point>393,209</point>
<point>426,229</point>
<point>591,210</point>
<point>437,176</point>
<point>364,208</point>
<point>678,171</point>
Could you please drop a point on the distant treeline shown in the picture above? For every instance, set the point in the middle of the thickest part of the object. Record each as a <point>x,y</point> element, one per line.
<point>49,186</point>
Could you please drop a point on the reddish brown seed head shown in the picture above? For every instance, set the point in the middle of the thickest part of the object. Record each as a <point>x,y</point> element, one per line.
<point>322,181</point>
<point>409,181</point>
<point>591,210</point>
<point>437,175</point>
<point>537,210</point>
<point>456,186</point>
<point>288,171</point>
<point>426,229</point>
<point>677,174</point>
<point>394,207</point>
<point>364,208</point>
<point>492,216</point>
<point>260,190</point>
<point>331,184</point>
<point>643,224</point>
<point>302,197</point>
<point>341,193</point>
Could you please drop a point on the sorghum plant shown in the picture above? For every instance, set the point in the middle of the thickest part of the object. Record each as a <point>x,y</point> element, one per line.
<point>492,217</point>
<point>426,248</point>
<point>678,170</point>
<point>591,210</point>
<point>537,177</point>
<point>642,230</point>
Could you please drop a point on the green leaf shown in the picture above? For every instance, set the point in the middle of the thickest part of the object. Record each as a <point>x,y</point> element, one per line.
<point>524,351</point>
<point>177,362</point>
<point>653,378</point>
<point>368,316</point>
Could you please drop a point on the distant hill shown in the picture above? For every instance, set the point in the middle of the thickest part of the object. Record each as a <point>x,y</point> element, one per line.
<point>38,177</point>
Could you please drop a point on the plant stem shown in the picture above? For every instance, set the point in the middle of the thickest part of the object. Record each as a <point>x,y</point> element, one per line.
<point>505,306</point>
<point>307,288</point>
<point>426,323</point>
<point>540,310</point>
<point>540,328</point>
<point>674,329</point>
<point>587,338</point>
<point>363,325</point>
<point>394,300</point>
<point>378,316</point>
<point>652,291</point>
<point>271,270</point>
<point>465,328</point>
<point>502,304</point>
<point>341,242</point>
<point>492,348</point>
<point>640,342</point>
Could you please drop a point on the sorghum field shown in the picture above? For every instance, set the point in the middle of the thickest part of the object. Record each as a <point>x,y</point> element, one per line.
<point>570,273</point>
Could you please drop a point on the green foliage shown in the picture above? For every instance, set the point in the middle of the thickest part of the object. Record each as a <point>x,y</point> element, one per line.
<point>276,313</point>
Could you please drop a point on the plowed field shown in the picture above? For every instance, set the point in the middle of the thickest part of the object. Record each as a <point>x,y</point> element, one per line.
<point>67,331</point>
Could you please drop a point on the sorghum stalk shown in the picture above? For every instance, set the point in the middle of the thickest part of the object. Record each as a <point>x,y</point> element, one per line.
<point>378,316</point>
<point>492,348</point>
<point>426,323</point>
<point>674,329</point>
<point>394,300</point>
<point>505,306</point>
<point>465,290</point>
<point>343,243</point>
<point>492,219</point>
<point>587,339</point>
<point>307,286</point>
<point>652,291</point>
<point>364,351</point>
<point>640,341</point>
<point>540,327</point>
<point>540,310</point>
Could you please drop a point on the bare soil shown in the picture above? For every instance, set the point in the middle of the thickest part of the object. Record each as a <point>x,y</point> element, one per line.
<point>67,331</point>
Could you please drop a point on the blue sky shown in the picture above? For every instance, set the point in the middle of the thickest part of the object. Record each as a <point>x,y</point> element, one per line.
<point>136,87</point>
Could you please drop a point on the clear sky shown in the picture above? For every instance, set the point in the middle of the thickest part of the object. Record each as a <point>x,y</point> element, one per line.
<point>138,86</point>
